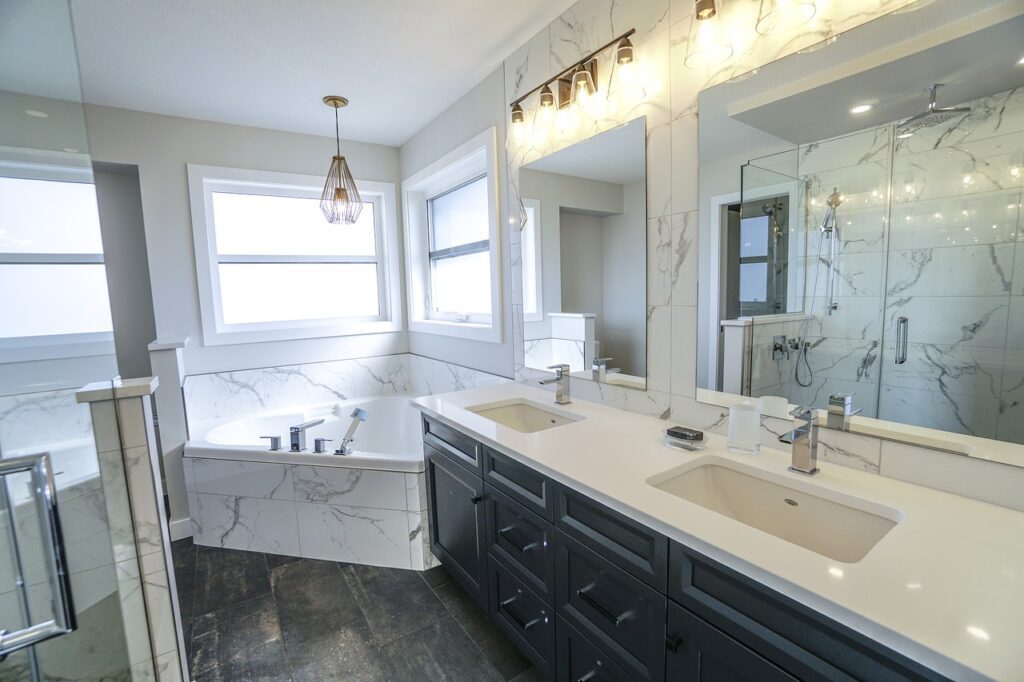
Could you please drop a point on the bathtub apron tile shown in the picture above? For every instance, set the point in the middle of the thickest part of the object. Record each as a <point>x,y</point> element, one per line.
<point>245,479</point>
<point>378,537</point>
<point>350,487</point>
<point>254,524</point>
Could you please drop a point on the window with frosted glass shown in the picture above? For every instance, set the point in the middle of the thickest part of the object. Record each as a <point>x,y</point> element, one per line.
<point>279,260</point>
<point>52,279</point>
<point>460,263</point>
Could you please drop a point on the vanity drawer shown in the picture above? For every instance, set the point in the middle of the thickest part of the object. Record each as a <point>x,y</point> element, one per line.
<point>456,445</point>
<point>523,541</point>
<point>526,618</point>
<point>614,610</point>
<point>634,548</point>
<point>526,486</point>
<point>578,659</point>
<point>798,639</point>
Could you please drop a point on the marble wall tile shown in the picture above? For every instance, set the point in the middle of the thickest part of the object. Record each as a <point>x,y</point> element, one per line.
<point>248,479</point>
<point>987,218</point>
<point>591,23</point>
<point>944,271</point>
<point>684,259</point>
<point>415,492</point>
<point>968,476</point>
<point>36,418</point>
<point>258,525</point>
<point>684,350</point>
<point>659,348</point>
<point>976,415</point>
<point>160,604</point>
<point>379,537</point>
<point>970,370</point>
<point>350,487</point>
<point>964,320</point>
<point>850,449</point>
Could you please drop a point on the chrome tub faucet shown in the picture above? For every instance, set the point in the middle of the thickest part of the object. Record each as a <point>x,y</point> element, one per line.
<point>298,434</point>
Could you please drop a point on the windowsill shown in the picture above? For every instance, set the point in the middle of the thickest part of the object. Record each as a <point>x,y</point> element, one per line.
<point>295,333</point>
<point>466,330</point>
<point>36,348</point>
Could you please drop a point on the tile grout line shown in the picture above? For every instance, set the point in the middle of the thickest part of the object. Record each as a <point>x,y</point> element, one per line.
<point>277,613</point>
<point>462,627</point>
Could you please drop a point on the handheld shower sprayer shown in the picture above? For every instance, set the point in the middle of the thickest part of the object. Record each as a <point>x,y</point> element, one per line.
<point>358,417</point>
<point>828,224</point>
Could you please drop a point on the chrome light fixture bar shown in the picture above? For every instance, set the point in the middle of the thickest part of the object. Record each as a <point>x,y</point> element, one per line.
<point>581,76</point>
<point>340,200</point>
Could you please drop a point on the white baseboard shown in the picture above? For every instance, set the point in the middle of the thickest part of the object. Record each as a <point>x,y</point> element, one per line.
<point>180,528</point>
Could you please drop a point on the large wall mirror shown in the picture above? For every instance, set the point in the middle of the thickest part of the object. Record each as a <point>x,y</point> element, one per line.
<point>585,258</point>
<point>861,229</point>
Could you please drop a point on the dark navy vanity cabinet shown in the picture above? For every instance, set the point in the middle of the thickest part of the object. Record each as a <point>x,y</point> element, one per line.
<point>590,595</point>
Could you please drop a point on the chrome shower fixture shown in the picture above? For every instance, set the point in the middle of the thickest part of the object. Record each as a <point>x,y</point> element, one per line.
<point>828,224</point>
<point>774,210</point>
<point>933,115</point>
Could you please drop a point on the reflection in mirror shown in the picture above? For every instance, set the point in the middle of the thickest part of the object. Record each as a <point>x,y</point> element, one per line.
<point>861,230</point>
<point>584,250</point>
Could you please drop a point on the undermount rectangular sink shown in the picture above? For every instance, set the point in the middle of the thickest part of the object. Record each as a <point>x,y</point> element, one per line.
<point>523,415</point>
<point>845,531</point>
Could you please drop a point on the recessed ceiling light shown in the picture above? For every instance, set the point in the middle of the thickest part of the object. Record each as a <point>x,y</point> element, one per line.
<point>903,136</point>
<point>975,631</point>
<point>1021,60</point>
<point>37,114</point>
<point>861,108</point>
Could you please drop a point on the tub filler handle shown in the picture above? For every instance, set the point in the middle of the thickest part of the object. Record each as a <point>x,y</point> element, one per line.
<point>320,445</point>
<point>275,442</point>
<point>358,417</point>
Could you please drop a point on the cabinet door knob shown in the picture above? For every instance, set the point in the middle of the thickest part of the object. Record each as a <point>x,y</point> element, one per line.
<point>673,642</point>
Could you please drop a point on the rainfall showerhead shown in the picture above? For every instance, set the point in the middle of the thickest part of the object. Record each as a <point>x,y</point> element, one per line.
<point>933,115</point>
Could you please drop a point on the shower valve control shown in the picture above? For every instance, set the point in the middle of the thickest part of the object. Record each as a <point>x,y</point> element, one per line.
<point>320,445</point>
<point>779,347</point>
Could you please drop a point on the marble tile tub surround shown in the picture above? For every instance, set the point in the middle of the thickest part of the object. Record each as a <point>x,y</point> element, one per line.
<point>318,512</point>
<point>228,394</point>
<point>122,424</point>
<point>667,95</point>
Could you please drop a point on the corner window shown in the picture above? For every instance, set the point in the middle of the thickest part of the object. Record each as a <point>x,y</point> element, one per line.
<point>271,267</point>
<point>51,259</point>
<point>452,243</point>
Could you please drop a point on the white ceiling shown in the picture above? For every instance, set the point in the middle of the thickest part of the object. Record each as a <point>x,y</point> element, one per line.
<point>618,155</point>
<point>268,63</point>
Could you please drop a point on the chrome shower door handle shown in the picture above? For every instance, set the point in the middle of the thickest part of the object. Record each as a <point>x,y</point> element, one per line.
<point>61,619</point>
<point>902,326</point>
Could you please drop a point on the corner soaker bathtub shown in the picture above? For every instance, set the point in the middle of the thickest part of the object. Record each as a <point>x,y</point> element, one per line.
<point>368,507</point>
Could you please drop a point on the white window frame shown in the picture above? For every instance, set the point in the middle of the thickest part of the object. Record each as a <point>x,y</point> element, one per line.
<point>538,239</point>
<point>205,180</point>
<point>475,158</point>
<point>34,164</point>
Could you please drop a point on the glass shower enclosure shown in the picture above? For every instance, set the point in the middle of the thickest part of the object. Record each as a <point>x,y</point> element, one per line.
<point>71,603</point>
<point>912,292</point>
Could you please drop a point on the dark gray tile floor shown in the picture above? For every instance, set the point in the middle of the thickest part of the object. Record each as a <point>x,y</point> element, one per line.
<point>253,616</point>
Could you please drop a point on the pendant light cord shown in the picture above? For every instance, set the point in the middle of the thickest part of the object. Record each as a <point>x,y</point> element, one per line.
<point>337,133</point>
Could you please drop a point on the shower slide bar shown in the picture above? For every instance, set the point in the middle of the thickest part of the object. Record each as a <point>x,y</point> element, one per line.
<point>61,618</point>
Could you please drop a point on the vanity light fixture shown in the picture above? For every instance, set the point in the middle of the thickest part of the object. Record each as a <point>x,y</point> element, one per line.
<point>774,15</point>
<point>578,81</point>
<point>706,45</point>
<point>624,52</point>
<point>862,108</point>
<point>340,201</point>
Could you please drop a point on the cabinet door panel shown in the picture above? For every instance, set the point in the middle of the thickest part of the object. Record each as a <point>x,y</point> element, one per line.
<point>698,651</point>
<point>580,661</point>
<point>456,516</point>
<point>526,618</point>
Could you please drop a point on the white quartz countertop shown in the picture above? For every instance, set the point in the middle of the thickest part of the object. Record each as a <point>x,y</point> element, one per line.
<point>945,587</point>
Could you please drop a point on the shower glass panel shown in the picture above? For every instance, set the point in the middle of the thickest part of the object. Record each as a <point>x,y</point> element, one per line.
<point>55,336</point>
<point>913,300</point>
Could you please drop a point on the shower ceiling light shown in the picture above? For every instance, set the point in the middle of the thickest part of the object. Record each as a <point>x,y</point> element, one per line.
<point>775,15</point>
<point>862,108</point>
<point>706,46</point>
<point>340,201</point>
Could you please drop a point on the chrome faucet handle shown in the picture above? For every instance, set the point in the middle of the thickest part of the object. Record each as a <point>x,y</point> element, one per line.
<point>804,414</point>
<point>602,361</point>
<point>319,445</point>
<point>275,442</point>
<point>560,369</point>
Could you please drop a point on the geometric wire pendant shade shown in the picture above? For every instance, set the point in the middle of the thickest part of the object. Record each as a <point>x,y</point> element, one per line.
<point>340,200</point>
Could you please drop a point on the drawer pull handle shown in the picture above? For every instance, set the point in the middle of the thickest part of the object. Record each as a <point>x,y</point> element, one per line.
<point>523,625</point>
<point>507,530</point>
<point>673,642</point>
<point>476,499</point>
<point>594,604</point>
<point>587,677</point>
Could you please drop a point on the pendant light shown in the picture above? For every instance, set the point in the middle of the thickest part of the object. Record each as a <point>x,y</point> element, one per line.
<point>706,46</point>
<point>340,201</point>
<point>784,15</point>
